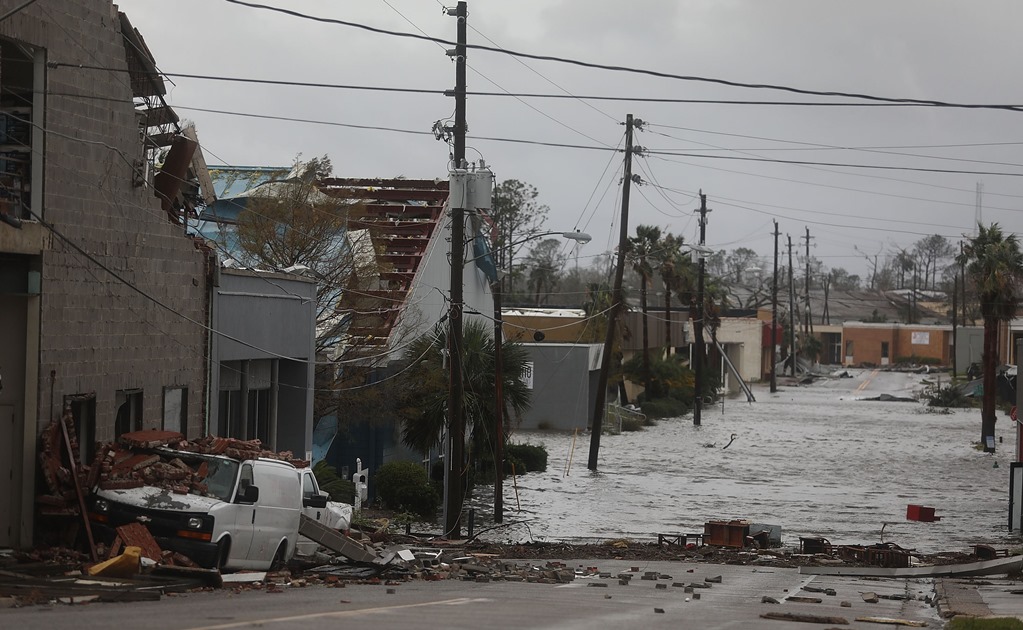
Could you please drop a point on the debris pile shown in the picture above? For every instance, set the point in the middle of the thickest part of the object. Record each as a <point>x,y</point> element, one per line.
<point>140,458</point>
<point>145,458</point>
<point>60,497</point>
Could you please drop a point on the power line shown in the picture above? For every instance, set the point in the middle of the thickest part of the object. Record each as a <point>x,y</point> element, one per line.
<point>834,164</point>
<point>818,184</point>
<point>627,69</point>
<point>562,145</point>
<point>813,146</point>
<point>541,95</point>
<point>559,145</point>
<point>837,214</point>
<point>15,10</point>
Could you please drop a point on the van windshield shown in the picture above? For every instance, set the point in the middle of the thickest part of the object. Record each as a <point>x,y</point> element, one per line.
<point>220,478</point>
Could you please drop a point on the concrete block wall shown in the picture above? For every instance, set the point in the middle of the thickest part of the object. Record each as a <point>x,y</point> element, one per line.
<point>99,335</point>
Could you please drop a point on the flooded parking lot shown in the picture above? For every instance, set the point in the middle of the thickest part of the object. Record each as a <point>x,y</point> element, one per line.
<point>816,460</point>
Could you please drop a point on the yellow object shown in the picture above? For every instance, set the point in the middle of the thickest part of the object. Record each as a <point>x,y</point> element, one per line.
<point>125,565</point>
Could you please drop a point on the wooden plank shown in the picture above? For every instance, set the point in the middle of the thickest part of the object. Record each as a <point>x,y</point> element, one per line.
<point>893,622</point>
<point>334,540</point>
<point>840,621</point>
<point>1001,566</point>
<point>158,116</point>
<point>78,488</point>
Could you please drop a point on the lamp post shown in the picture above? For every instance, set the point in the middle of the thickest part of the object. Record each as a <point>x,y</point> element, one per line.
<point>495,287</point>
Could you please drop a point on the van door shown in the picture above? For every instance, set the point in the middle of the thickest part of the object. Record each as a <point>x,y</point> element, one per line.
<point>277,512</point>
<point>310,489</point>
<point>245,519</point>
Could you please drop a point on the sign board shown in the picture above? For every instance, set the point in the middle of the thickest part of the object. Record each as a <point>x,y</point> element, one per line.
<point>527,374</point>
<point>990,441</point>
<point>920,338</point>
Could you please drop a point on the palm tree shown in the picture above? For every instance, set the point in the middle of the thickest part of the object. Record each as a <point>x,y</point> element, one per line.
<point>994,261</point>
<point>685,283</point>
<point>423,398</point>
<point>671,264</point>
<point>642,248</point>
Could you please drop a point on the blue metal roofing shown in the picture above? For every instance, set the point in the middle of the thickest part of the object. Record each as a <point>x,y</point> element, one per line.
<point>229,181</point>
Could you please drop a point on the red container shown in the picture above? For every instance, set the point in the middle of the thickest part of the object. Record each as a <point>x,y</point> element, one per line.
<point>921,513</point>
<point>726,533</point>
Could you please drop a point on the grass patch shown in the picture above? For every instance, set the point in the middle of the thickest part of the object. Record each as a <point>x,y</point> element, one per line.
<point>973,623</point>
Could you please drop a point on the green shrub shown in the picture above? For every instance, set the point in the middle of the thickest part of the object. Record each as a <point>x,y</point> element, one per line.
<point>632,423</point>
<point>405,487</point>
<point>327,479</point>
<point>526,457</point>
<point>947,396</point>
<point>664,408</point>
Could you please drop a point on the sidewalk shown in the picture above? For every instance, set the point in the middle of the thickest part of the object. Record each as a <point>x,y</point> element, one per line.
<point>998,596</point>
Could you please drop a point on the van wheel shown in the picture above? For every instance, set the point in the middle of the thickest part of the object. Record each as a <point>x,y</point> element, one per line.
<point>223,551</point>
<point>280,557</point>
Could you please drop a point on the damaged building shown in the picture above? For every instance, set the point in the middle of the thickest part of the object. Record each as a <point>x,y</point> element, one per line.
<point>103,296</point>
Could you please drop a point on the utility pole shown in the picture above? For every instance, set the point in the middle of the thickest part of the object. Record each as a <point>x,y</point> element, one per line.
<point>809,314</point>
<point>616,299</point>
<point>700,310</point>
<point>912,312</point>
<point>495,289</point>
<point>955,319</point>
<point>826,314</point>
<point>792,312</point>
<point>774,315</point>
<point>962,285</point>
<point>456,413</point>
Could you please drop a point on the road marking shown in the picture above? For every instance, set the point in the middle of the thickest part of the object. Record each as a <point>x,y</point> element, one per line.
<point>460,601</point>
<point>803,584</point>
<point>865,383</point>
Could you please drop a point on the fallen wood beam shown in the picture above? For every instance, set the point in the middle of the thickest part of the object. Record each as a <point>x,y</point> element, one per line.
<point>893,622</point>
<point>334,540</point>
<point>78,485</point>
<point>841,621</point>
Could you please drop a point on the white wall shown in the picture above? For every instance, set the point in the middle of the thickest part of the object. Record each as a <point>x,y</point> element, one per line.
<point>427,302</point>
<point>741,338</point>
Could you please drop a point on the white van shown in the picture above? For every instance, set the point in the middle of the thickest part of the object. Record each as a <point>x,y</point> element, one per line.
<point>317,506</point>
<point>248,519</point>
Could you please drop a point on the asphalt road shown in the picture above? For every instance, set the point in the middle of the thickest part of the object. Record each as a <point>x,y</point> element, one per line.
<point>735,602</point>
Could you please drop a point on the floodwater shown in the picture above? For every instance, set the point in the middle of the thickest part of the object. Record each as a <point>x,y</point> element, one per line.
<point>816,460</point>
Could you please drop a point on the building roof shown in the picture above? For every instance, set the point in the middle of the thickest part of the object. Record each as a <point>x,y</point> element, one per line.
<point>891,306</point>
<point>401,217</point>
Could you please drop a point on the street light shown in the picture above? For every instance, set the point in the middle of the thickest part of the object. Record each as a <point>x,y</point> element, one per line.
<point>495,289</point>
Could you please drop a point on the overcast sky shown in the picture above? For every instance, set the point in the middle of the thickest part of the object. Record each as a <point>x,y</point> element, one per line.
<point>967,52</point>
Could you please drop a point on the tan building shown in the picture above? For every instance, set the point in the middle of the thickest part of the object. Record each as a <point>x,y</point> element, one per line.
<point>886,343</point>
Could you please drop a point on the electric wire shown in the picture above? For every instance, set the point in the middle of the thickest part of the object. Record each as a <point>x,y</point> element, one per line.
<point>626,69</point>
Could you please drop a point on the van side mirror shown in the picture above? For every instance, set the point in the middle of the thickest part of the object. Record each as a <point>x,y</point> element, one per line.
<point>248,494</point>
<point>317,501</point>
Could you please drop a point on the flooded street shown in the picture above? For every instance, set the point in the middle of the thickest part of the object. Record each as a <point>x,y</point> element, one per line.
<point>813,459</point>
